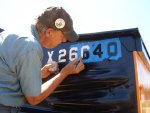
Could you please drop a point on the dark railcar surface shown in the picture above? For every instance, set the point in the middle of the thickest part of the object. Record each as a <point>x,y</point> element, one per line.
<point>108,83</point>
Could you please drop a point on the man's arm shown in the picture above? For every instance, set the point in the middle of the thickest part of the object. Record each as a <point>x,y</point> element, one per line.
<point>49,86</point>
<point>46,89</point>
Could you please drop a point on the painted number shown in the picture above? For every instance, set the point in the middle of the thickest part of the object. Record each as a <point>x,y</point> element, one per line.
<point>62,54</point>
<point>98,50</point>
<point>92,51</point>
<point>112,49</point>
<point>85,52</point>
<point>73,53</point>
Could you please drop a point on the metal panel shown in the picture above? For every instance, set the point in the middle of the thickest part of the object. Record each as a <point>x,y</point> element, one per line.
<point>107,85</point>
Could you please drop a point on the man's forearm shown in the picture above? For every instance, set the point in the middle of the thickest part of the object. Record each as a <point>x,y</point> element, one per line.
<point>48,88</point>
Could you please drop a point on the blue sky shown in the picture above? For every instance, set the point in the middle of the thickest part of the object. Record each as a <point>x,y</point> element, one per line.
<point>88,15</point>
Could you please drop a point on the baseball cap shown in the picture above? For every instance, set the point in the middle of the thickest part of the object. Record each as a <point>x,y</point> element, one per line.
<point>58,19</point>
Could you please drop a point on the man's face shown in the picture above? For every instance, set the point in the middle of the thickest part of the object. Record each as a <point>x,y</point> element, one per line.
<point>54,38</point>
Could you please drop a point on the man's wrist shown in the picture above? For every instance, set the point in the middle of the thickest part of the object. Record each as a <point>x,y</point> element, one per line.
<point>63,72</point>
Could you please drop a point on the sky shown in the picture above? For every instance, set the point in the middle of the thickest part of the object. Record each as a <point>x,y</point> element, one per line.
<point>88,15</point>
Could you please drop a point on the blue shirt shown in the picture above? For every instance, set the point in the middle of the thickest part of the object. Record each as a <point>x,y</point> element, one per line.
<point>20,67</point>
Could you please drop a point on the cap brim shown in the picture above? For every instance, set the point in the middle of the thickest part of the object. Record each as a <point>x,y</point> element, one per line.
<point>71,36</point>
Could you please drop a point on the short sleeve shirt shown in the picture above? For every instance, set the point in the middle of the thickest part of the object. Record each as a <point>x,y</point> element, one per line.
<point>20,67</point>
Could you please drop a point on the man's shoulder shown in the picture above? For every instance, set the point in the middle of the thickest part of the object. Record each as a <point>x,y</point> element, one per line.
<point>10,38</point>
<point>17,41</point>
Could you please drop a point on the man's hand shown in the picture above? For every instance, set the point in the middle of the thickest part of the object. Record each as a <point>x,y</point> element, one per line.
<point>45,71</point>
<point>73,67</point>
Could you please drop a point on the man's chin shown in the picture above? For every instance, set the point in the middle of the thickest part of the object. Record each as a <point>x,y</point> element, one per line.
<point>50,46</point>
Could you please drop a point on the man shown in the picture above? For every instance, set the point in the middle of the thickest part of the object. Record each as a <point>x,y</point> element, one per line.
<point>21,57</point>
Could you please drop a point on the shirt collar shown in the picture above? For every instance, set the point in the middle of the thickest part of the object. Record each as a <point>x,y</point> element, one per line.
<point>34,32</point>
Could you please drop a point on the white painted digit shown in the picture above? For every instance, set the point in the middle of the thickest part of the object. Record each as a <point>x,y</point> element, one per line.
<point>73,53</point>
<point>62,54</point>
<point>83,49</point>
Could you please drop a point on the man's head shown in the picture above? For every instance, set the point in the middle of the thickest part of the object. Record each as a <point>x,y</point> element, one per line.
<point>56,21</point>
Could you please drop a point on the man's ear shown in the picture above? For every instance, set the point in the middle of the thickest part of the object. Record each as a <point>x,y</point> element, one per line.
<point>49,32</point>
